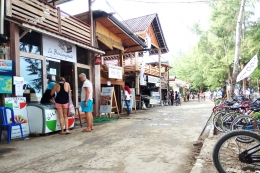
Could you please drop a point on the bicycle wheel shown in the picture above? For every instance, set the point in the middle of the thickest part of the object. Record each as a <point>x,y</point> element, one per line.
<point>227,121</point>
<point>230,155</point>
<point>217,120</point>
<point>244,122</point>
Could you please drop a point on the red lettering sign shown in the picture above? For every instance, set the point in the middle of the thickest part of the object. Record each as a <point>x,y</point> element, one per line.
<point>98,60</point>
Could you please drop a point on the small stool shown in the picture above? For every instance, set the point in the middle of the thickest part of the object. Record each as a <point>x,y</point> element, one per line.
<point>77,109</point>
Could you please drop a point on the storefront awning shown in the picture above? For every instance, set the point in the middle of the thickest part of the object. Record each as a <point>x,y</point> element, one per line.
<point>62,38</point>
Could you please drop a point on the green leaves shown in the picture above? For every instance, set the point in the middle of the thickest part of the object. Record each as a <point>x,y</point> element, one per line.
<point>210,62</point>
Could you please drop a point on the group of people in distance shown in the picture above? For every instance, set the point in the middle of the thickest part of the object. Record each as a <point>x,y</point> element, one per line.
<point>175,97</point>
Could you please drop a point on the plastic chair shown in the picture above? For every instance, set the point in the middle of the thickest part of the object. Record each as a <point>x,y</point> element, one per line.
<point>5,123</point>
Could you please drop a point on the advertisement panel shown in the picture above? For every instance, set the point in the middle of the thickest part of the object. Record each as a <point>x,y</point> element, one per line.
<point>18,104</point>
<point>58,49</point>
<point>114,72</point>
<point>52,122</point>
<point>106,99</point>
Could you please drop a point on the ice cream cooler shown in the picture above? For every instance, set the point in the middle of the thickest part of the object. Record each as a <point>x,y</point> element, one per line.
<point>43,118</point>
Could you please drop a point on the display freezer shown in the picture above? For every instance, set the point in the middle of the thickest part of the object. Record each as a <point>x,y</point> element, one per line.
<point>43,118</point>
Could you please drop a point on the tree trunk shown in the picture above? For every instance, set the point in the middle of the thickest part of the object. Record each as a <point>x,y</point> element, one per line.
<point>237,49</point>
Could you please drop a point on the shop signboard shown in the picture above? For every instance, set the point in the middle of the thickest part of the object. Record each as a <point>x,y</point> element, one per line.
<point>98,60</point>
<point>52,122</point>
<point>18,104</point>
<point>114,72</point>
<point>58,49</point>
<point>106,99</point>
<point>6,76</point>
<point>152,79</point>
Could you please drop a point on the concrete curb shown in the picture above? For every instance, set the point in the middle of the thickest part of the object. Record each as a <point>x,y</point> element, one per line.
<point>197,168</point>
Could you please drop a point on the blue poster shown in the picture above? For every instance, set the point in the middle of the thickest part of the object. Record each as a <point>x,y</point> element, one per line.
<point>6,67</point>
<point>6,84</point>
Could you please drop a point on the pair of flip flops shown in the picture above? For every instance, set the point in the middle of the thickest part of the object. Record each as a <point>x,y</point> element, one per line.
<point>86,130</point>
<point>65,133</point>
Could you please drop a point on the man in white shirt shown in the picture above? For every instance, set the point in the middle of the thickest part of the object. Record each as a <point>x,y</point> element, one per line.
<point>87,101</point>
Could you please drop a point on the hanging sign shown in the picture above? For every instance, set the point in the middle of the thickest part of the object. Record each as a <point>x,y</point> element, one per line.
<point>248,69</point>
<point>98,60</point>
<point>114,72</point>
<point>18,104</point>
<point>58,49</point>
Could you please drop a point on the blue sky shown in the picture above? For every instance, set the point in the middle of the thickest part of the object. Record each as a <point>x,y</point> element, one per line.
<point>176,18</point>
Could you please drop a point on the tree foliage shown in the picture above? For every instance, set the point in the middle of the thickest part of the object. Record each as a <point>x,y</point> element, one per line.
<point>210,63</point>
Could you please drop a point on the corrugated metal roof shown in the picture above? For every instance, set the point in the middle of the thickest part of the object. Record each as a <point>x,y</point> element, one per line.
<point>139,23</point>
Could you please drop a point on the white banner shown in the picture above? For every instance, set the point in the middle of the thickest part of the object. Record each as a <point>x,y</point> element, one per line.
<point>114,72</point>
<point>58,49</point>
<point>146,55</point>
<point>248,69</point>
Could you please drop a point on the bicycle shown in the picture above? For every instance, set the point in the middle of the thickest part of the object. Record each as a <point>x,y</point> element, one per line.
<point>237,151</point>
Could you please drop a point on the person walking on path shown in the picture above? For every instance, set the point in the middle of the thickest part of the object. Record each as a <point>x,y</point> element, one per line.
<point>172,97</point>
<point>62,88</point>
<point>87,101</point>
<point>176,98</point>
<point>128,96</point>
<point>179,98</point>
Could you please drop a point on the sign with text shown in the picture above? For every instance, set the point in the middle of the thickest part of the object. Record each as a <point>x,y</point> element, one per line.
<point>152,79</point>
<point>106,99</point>
<point>248,69</point>
<point>18,104</point>
<point>6,67</point>
<point>58,49</point>
<point>114,72</point>
<point>98,60</point>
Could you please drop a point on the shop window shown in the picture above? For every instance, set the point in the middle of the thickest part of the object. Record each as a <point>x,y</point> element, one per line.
<point>53,69</point>
<point>30,42</point>
<point>82,56</point>
<point>31,70</point>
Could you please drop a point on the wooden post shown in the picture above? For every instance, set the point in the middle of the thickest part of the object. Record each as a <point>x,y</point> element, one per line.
<point>90,18</point>
<point>96,80</point>
<point>137,89</point>
<point>14,47</point>
<point>159,58</point>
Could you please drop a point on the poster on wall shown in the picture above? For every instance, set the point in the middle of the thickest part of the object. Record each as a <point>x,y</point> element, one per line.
<point>18,104</point>
<point>52,122</point>
<point>58,49</point>
<point>106,99</point>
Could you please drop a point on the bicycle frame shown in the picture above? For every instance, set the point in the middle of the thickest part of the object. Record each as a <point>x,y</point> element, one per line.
<point>247,157</point>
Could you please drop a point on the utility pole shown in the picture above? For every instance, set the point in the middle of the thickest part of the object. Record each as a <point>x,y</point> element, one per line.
<point>237,48</point>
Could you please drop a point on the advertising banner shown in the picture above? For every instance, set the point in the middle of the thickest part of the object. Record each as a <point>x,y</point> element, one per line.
<point>106,99</point>
<point>58,49</point>
<point>52,122</point>
<point>114,72</point>
<point>18,104</point>
<point>248,69</point>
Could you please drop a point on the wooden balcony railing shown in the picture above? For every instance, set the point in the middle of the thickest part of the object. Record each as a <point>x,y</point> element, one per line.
<point>41,14</point>
<point>129,65</point>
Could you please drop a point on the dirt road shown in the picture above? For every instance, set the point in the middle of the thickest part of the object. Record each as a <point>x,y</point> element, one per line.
<point>159,139</point>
